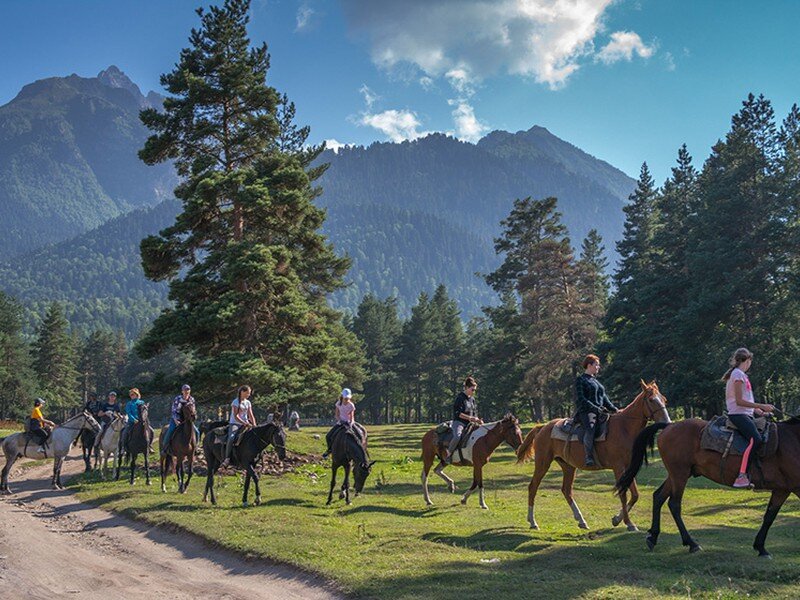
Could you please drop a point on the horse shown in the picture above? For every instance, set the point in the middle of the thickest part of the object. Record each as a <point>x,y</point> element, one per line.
<point>109,444</point>
<point>138,442</point>
<point>253,442</point>
<point>87,438</point>
<point>57,446</point>
<point>614,453</point>
<point>182,444</point>
<point>483,441</point>
<point>348,449</point>
<point>679,447</point>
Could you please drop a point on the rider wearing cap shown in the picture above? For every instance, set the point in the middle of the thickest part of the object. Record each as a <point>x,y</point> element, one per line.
<point>37,423</point>
<point>345,416</point>
<point>185,397</point>
<point>109,410</point>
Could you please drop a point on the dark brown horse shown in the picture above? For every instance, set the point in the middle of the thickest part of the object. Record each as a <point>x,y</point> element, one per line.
<point>614,453</point>
<point>182,445</point>
<point>138,442</point>
<point>482,442</point>
<point>679,446</point>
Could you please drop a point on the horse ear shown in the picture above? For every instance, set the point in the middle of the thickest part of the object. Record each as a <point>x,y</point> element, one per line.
<point>643,384</point>
<point>653,382</point>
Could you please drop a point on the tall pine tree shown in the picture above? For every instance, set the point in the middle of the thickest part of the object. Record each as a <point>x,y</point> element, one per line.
<point>55,360</point>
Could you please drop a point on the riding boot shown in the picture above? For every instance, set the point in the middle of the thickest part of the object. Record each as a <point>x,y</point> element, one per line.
<point>588,446</point>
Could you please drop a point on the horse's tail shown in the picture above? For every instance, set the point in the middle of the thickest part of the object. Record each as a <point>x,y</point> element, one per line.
<point>644,440</point>
<point>526,450</point>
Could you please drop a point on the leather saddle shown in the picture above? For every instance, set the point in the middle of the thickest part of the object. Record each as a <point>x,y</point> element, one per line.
<point>720,435</point>
<point>444,434</point>
<point>571,430</point>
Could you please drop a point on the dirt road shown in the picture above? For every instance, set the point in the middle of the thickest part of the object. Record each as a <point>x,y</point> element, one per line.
<point>52,545</point>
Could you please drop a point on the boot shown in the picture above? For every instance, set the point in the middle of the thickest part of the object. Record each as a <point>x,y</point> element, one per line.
<point>588,447</point>
<point>743,480</point>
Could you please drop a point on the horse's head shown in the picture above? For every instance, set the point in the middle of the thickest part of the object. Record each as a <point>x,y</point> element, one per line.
<point>279,439</point>
<point>189,412</point>
<point>361,471</point>
<point>144,413</point>
<point>654,403</point>
<point>89,422</point>
<point>512,434</point>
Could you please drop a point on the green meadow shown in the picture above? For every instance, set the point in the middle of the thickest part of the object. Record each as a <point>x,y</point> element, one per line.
<point>389,545</point>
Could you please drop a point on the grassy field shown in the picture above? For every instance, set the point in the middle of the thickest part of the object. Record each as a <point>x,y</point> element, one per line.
<point>389,545</point>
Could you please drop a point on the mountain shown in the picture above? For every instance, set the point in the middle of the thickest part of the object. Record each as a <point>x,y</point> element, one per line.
<point>68,159</point>
<point>77,202</point>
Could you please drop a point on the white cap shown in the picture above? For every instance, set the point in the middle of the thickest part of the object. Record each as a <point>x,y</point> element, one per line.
<point>346,393</point>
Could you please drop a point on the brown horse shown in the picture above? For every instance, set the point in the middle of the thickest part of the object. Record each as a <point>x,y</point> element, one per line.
<point>679,446</point>
<point>482,442</point>
<point>614,453</point>
<point>182,445</point>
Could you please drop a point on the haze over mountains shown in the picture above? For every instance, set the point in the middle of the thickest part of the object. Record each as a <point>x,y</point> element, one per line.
<point>76,201</point>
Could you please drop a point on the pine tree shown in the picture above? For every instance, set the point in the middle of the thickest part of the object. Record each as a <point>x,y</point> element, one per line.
<point>415,355</point>
<point>16,378</point>
<point>248,269</point>
<point>445,376</point>
<point>55,361</point>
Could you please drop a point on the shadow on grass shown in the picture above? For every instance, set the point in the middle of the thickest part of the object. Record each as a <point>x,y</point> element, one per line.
<point>499,539</point>
<point>289,502</point>
<point>400,512</point>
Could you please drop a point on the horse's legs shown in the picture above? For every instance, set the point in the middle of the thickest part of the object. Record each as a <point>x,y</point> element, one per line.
<point>334,468</point>
<point>133,465</point>
<point>247,476</point>
<point>439,470</point>
<point>617,519</point>
<point>474,485</point>
<point>659,497</point>
<point>189,471</point>
<point>542,464</point>
<point>147,467</point>
<point>567,482</point>
<point>166,465</point>
<point>676,497</point>
<point>479,474</point>
<point>775,502</point>
<point>347,482</point>
<point>623,498</point>
<point>427,463</point>
<point>256,479</point>
<point>55,482</point>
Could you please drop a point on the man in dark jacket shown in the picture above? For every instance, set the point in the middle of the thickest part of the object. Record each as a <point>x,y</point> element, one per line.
<point>591,400</point>
<point>464,412</point>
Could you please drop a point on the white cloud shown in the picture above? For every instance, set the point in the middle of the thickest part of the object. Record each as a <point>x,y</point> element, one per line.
<point>303,17</point>
<point>461,81</point>
<point>369,96</point>
<point>397,125</point>
<point>669,60</point>
<point>542,39</point>
<point>335,145</point>
<point>468,127</point>
<point>426,82</point>
<point>623,45</point>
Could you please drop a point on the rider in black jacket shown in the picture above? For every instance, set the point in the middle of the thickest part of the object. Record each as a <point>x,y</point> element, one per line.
<point>591,400</point>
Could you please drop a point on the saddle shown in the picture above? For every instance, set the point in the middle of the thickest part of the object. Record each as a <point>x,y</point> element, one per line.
<point>221,435</point>
<point>571,430</point>
<point>444,433</point>
<point>721,435</point>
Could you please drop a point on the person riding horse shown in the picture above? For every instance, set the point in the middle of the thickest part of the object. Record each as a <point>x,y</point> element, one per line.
<point>241,416</point>
<point>185,397</point>
<point>132,411</point>
<point>109,410</point>
<point>344,418</point>
<point>92,406</point>
<point>38,423</point>
<point>465,411</point>
<point>591,400</point>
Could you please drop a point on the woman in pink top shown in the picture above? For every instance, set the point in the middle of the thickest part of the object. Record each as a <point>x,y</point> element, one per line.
<point>741,407</point>
<point>345,416</point>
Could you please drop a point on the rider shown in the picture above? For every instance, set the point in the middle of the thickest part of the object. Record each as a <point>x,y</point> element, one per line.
<point>241,416</point>
<point>92,406</point>
<point>741,407</point>
<point>465,411</point>
<point>591,400</point>
<point>38,423</point>
<point>185,397</point>
<point>109,410</point>
<point>344,417</point>
<point>132,412</point>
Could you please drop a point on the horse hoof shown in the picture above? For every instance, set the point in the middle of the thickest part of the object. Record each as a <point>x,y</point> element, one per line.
<point>583,525</point>
<point>484,507</point>
<point>765,554</point>
<point>428,502</point>
<point>452,489</point>
<point>257,502</point>
<point>616,520</point>
<point>245,505</point>
<point>632,527</point>
<point>535,526</point>
<point>348,502</point>
<point>164,489</point>
<point>694,548</point>
<point>464,501</point>
<point>149,483</point>
<point>651,542</point>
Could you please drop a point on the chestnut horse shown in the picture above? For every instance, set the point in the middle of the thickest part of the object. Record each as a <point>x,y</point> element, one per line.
<point>679,446</point>
<point>483,440</point>
<point>182,446</point>
<point>614,453</point>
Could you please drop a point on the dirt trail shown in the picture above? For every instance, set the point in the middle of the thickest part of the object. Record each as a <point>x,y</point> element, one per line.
<point>51,544</point>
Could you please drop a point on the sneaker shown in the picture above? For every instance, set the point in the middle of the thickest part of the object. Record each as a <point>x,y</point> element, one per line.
<point>589,462</point>
<point>742,481</point>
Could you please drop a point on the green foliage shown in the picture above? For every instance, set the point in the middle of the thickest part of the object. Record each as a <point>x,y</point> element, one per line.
<point>248,269</point>
<point>16,378</point>
<point>55,361</point>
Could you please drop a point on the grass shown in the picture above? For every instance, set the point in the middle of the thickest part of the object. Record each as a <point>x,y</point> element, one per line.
<point>389,545</point>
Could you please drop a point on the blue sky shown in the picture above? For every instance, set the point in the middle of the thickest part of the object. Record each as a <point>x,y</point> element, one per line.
<point>627,81</point>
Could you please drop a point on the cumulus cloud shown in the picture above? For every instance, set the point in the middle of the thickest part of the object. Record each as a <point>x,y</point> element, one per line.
<point>541,39</point>
<point>397,125</point>
<point>303,17</point>
<point>468,127</point>
<point>623,45</point>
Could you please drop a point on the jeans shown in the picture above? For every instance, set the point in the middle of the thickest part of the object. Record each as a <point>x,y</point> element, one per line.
<point>588,422</point>
<point>458,429</point>
<point>233,428</point>
<point>747,427</point>
<point>171,429</point>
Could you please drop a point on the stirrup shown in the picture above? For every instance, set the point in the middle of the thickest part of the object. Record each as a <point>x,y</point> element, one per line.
<point>742,481</point>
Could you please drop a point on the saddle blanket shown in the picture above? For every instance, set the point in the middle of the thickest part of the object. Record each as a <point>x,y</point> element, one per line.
<point>221,435</point>
<point>463,454</point>
<point>720,435</point>
<point>563,431</point>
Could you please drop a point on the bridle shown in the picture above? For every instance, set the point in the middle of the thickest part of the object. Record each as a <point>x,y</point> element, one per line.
<point>662,407</point>
<point>272,441</point>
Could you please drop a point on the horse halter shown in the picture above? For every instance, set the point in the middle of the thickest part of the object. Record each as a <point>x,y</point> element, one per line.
<point>661,406</point>
<point>272,441</point>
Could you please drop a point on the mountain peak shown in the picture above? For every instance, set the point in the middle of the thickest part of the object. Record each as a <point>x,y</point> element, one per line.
<point>115,78</point>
